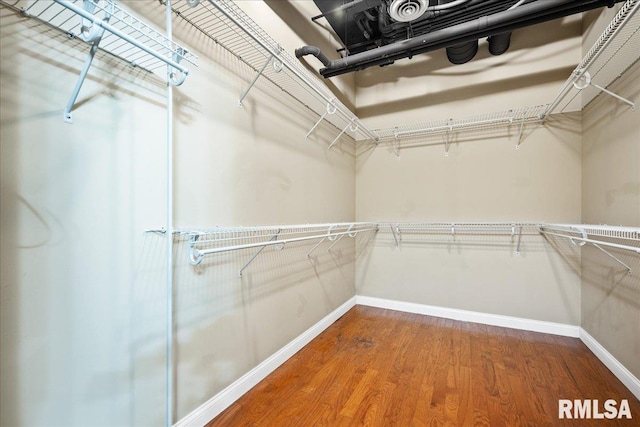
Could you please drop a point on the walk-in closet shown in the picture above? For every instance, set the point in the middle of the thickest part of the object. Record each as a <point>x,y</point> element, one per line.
<point>322,212</point>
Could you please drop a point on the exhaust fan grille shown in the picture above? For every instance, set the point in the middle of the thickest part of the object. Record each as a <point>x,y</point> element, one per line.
<point>407,10</point>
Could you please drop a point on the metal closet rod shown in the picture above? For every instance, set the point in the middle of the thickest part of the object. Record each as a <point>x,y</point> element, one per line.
<point>196,255</point>
<point>329,99</point>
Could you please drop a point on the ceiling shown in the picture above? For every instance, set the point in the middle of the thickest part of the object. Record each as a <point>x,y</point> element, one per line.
<point>379,32</point>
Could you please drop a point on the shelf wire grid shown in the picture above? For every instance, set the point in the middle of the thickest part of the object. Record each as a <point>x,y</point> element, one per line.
<point>58,16</point>
<point>228,236</point>
<point>613,53</point>
<point>505,118</point>
<point>232,29</point>
<point>476,228</point>
<point>608,231</point>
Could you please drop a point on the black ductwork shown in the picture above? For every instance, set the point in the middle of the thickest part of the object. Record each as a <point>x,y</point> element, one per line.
<point>315,51</point>
<point>499,43</point>
<point>486,26</point>
<point>461,53</point>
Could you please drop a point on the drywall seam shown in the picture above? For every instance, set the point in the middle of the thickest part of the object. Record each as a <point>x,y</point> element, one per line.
<point>623,374</point>
<point>218,403</point>
<point>473,316</point>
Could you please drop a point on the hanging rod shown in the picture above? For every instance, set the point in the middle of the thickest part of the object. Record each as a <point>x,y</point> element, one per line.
<point>196,255</point>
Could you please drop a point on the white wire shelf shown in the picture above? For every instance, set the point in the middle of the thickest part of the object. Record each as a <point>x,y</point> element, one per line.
<point>513,229</point>
<point>517,118</point>
<point>617,49</point>
<point>598,236</point>
<point>152,50</point>
<point>209,241</point>
<point>105,26</point>
<point>231,28</point>
<point>613,53</point>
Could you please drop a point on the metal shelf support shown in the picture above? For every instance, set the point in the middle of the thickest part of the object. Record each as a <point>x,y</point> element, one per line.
<point>584,81</point>
<point>351,126</point>
<point>246,92</point>
<point>274,237</point>
<point>629,272</point>
<point>331,109</point>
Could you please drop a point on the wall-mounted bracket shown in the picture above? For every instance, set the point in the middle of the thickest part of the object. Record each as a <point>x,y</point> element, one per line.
<point>91,33</point>
<point>315,247</point>
<point>274,237</point>
<point>331,109</point>
<point>629,271</point>
<point>352,125</point>
<point>195,257</point>
<point>396,235</point>
<point>255,79</point>
<point>177,77</point>
<point>524,115</point>
<point>583,80</point>
<point>396,145</point>
<point>519,240</point>
<point>448,138</point>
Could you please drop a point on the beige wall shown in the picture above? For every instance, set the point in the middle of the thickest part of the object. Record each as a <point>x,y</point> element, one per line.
<point>484,178</point>
<point>83,298</point>
<point>611,195</point>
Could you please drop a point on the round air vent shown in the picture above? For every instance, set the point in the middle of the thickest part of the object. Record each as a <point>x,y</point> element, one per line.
<point>407,10</point>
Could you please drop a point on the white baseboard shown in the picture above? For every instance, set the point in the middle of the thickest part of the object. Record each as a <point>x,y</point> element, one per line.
<point>473,316</point>
<point>618,369</point>
<point>218,403</point>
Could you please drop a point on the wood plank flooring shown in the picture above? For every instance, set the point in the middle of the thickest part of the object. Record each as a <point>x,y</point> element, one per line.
<point>376,367</point>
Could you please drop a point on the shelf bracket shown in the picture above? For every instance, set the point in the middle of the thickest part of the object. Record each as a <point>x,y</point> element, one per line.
<point>195,257</point>
<point>271,239</point>
<point>255,79</point>
<point>396,237</point>
<point>350,126</point>
<point>91,33</point>
<point>629,271</point>
<point>396,147</point>
<point>584,80</point>
<point>335,242</point>
<point>519,240</point>
<point>331,109</point>
<point>448,141</point>
<point>315,247</point>
<point>524,115</point>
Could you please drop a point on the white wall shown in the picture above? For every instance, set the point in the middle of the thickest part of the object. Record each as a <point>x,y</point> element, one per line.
<point>611,195</point>
<point>82,296</point>
<point>251,166</point>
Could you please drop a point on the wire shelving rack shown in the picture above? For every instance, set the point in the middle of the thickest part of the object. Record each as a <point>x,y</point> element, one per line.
<point>231,28</point>
<point>106,26</point>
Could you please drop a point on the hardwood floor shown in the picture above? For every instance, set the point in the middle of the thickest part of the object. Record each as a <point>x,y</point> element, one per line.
<point>380,367</point>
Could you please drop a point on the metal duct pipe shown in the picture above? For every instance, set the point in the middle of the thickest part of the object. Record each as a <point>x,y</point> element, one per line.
<point>499,43</point>
<point>502,22</point>
<point>461,53</point>
<point>315,51</point>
